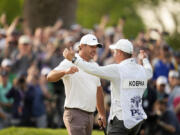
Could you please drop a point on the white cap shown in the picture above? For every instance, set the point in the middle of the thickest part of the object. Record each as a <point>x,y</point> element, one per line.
<point>45,70</point>
<point>161,80</point>
<point>173,73</point>
<point>123,45</point>
<point>6,62</point>
<point>91,40</point>
<point>24,39</point>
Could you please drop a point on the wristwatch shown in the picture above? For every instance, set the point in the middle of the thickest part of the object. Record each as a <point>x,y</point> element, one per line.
<point>74,59</point>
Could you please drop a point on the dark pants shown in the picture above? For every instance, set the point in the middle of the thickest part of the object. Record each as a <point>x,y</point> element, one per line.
<point>116,127</point>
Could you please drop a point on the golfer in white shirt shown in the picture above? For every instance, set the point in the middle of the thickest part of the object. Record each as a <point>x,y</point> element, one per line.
<point>128,83</point>
<point>83,91</point>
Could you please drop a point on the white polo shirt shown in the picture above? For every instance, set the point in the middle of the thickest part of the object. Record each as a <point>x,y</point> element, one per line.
<point>118,73</point>
<point>80,87</point>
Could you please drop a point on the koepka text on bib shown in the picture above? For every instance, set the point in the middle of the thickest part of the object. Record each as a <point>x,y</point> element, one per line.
<point>134,84</point>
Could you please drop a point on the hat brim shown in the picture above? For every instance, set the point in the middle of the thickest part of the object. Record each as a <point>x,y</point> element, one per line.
<point>99,45</point>
<point>96,44</point>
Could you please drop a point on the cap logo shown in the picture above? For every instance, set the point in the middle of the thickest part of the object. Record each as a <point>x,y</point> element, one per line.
<point>94,39</point>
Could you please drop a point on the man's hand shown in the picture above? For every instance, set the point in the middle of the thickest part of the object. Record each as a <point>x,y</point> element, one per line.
<point>142,55</point>
<point>102,121</point>
<point>68,54</point>
<point>71,70</point>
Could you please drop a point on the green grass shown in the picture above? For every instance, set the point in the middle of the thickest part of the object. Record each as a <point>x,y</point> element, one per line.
<point>35,131</point>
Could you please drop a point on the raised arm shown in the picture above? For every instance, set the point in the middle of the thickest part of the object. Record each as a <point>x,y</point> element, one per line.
<point>145,62</point>
<point>106,72</point>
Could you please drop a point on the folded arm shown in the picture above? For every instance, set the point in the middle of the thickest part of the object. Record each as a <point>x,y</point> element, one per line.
<point>64,68</point>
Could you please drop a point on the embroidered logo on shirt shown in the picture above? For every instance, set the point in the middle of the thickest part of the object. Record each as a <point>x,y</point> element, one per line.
<point>135,107</point>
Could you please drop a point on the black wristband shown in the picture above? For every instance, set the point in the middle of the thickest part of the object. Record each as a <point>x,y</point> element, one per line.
<point>74,59</point>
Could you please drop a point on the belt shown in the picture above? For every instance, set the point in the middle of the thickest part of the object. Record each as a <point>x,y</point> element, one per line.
<point>67,108</point>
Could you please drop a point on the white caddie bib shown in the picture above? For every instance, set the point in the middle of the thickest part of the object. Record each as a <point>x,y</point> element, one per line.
<point>134,83</point>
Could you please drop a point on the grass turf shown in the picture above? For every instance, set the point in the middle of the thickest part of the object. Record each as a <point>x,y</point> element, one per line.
<point>36,131</point>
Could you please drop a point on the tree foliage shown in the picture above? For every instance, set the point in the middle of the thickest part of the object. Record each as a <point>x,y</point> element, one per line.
<point>40,13</point>
<point>11,8</point>
<point>174,41</point>
<point>90,12</point>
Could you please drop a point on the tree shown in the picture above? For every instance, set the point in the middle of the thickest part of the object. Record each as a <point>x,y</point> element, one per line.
<point>163,16</point>
<point>40,13</point>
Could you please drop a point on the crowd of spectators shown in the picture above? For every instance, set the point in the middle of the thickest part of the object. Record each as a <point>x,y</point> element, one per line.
<point>27,99</point>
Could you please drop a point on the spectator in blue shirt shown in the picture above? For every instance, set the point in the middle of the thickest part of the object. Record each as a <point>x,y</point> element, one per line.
<point>164,64</point>
<point>17,93</point>
<point>38,97</point>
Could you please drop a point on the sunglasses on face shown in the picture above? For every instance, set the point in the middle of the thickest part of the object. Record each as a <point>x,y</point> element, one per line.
<point>25,44</point>
<point>12,43</point>
<point>162,85</point>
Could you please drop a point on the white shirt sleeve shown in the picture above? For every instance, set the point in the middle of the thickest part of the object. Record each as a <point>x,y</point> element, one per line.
<point>65,64</point>
<point>148,68</point>
<point>108,72</point>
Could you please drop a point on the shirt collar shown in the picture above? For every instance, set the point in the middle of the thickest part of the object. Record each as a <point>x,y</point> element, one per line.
<point>77,55</point>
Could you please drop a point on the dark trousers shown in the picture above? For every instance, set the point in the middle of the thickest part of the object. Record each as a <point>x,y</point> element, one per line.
<point>116,127</point>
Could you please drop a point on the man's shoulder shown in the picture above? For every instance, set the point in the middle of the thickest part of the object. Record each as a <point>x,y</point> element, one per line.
<point>66,62</point>
<point>95,63</point>
<point>176,90</point>
<point>64,65</point>
<point>169,114</point>
<point>158,63</point>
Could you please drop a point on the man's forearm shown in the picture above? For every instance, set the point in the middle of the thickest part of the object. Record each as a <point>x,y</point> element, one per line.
<point>55,75</point>
<point>100,101</point>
